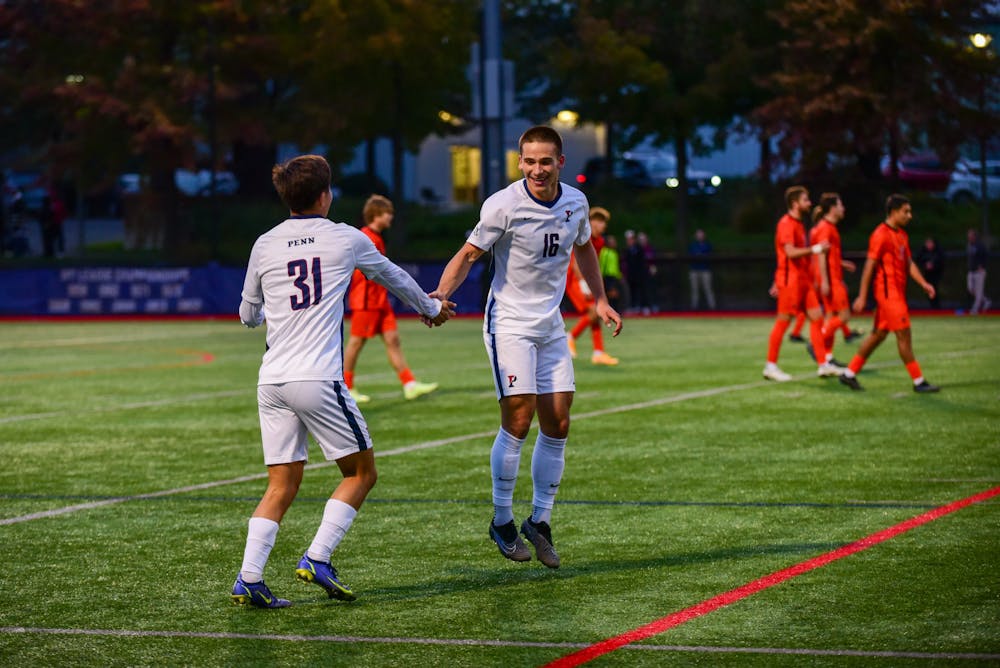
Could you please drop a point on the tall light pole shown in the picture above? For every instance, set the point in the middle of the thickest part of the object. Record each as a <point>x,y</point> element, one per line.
<point>982,41</point>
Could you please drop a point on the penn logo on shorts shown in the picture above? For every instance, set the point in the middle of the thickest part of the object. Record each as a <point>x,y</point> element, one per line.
<point>511,379</point>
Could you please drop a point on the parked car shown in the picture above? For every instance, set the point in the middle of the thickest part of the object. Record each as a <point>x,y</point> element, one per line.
<point>199,184</point>
<point>30,185</point>
<point>920,172</point>
<point>647,170</point>
<point>966,181</point>
<point>662,169</point>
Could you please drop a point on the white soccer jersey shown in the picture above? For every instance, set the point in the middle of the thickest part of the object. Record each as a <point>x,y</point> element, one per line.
<point>531,242</point>
<point>299,271</point>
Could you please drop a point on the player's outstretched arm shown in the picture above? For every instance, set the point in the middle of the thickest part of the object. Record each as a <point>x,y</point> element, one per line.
<point>444,315</point>
<point>457,270</point>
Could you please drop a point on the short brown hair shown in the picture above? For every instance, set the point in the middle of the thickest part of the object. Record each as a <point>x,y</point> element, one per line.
<point>301,181</point>
<point>600,212</point>
<point>895,201</point>
<point>542,134</point>
<point>375,206</point>
<point>792,195</point>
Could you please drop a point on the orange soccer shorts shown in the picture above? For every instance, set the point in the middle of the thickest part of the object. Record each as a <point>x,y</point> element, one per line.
<point>836,301</point>
<point>366,324</point>
<point>797,296</point>
<point>891,315</point>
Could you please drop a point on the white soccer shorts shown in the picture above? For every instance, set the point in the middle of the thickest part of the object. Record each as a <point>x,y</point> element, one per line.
<point>325,409</point>
<point>530,365</point>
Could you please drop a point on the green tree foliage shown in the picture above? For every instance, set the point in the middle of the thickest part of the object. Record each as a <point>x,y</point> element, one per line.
<point>859,77</point>
<point>97,87</point>
<point>647,69</point>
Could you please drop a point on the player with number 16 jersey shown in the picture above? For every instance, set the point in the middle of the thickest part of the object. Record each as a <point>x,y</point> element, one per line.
<point>532,242</point>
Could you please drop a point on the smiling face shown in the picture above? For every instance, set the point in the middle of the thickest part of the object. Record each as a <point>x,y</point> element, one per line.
<point>541,162</point>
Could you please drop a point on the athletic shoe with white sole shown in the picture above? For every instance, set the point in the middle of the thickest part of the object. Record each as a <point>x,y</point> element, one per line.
<point>358,397</point>
<point>508,542</point>
<point>540,535</point>
<point>602,358</point>
<point>827,370</point>
<point>325,575</point>
<point>776,374</point>
<point>256,594</point>
<point>415,389</point>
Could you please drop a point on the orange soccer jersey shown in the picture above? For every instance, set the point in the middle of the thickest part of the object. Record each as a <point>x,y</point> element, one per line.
<point>365,295</point>
<point>890,250</point>
<point>790,271</point>
<point>826,231</point>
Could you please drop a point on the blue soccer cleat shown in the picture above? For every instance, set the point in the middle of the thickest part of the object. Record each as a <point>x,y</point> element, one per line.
<point>325,576</point>
<point>256,594</point>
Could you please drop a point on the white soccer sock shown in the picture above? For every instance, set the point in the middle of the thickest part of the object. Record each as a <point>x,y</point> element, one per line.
<point>337,519</point>
<point>260,539</point>
<point>505,459</point>
<point>547,464</point>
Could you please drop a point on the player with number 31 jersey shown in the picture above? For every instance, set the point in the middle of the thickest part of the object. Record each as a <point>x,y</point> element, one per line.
<point>301,270</point>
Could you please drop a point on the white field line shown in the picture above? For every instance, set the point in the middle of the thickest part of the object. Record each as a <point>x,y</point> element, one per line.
<point>662,401</point>
<point>477,642</point>
<point>54,512</point>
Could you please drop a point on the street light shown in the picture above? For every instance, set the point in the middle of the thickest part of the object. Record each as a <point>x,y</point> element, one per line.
<point>981,41</point>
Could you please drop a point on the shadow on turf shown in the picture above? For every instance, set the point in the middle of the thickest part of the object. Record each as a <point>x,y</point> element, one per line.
<point>506,574</point>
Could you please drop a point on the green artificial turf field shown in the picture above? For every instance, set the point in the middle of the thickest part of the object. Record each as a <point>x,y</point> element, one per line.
<point>131,463</point>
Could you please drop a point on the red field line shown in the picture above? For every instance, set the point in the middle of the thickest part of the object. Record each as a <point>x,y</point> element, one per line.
<point>677,618</point>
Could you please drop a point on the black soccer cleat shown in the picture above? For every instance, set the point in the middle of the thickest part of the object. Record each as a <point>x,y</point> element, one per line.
<point>851,382</point>
<point>508,542</point>
<point>925,387</point>
<point>795,337</point>
<point>540,536</point>
<point>853,335</point>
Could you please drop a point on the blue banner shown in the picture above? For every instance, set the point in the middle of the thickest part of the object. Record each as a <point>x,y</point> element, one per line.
<point>208,290</point>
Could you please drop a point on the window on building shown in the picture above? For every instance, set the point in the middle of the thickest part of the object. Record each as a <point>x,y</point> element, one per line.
<point>465,173</point>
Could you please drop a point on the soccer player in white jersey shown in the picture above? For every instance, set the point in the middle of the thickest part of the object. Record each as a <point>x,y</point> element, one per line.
<point>296,280</point>
<point>531,226</point>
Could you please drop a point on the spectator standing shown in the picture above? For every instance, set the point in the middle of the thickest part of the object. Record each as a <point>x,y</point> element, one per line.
<point>636,273</point>
<point>976,278</point>
<point>930,259</point>
<point>700,273</point>
<point>611,271</point>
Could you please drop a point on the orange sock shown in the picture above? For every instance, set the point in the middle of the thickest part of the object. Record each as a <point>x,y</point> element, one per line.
<point>845,329</point>
<point>830,328</point>
<point>800,320</point>
<point>914,369</point>
<point>856,363</point>
<point>580,326</point>
<point>349,379</point>
<point>816,338</point>
<point>405,376</point>
<point>597,335</point>
<point>774,343</point>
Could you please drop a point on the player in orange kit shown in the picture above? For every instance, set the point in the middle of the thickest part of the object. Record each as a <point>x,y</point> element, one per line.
<point>794,285</point>
<point>583,301</point>
<point>372,314</point>
<point>836,305</point>
<point>890,262</point>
